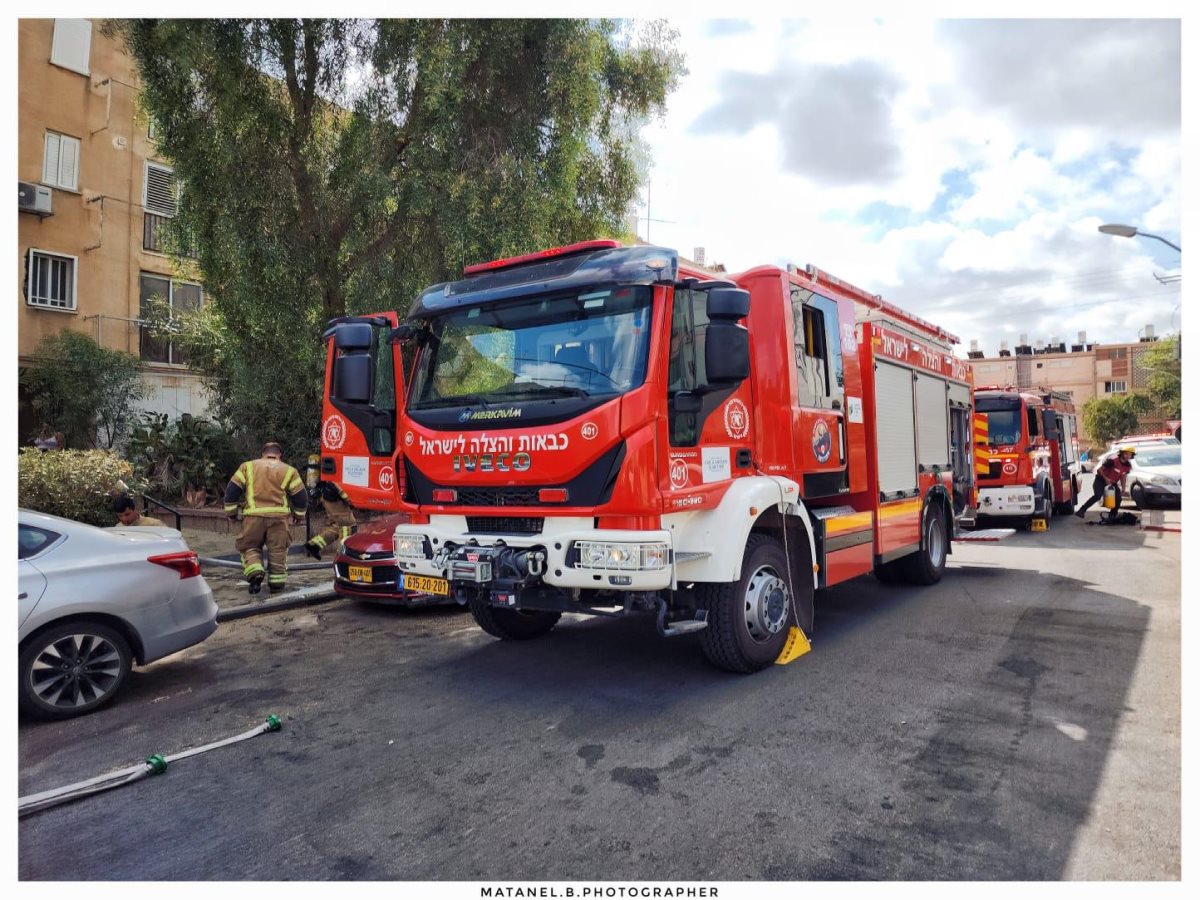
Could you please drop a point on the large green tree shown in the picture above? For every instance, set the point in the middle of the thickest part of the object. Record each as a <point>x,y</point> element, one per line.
<point>338,166</point>
<point>1108,418</point>
<point>1163,375</point>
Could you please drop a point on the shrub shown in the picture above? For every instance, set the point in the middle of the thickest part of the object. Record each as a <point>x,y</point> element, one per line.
<point>84,390</point>
<point>186,459</point>
<point>74,484</point>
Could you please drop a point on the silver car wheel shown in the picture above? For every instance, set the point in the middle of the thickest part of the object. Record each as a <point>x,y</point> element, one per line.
<point>77,669</point>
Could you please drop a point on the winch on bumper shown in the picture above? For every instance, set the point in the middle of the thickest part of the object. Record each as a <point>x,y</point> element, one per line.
<point>574,558</point>
<point>1014,500</point>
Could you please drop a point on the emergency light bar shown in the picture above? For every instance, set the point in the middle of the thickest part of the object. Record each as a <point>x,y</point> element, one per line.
<point>509,262</point>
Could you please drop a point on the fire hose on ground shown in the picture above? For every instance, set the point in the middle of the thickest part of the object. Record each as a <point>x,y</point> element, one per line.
<point>155,764</point>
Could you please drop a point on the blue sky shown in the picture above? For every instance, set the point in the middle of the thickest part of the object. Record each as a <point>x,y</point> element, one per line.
<point>960,168</point>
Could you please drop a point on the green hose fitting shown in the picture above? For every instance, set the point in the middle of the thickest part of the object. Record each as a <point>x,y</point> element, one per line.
<point>273,723</point>
<point>157,764</point>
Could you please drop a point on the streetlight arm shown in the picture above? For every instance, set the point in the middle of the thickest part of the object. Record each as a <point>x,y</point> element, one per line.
<point>1163,239</point>
<point>1129,231</point>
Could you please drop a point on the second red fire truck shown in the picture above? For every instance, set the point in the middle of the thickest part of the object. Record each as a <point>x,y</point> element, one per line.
<point>1026,453</point>
<point>603,429</point>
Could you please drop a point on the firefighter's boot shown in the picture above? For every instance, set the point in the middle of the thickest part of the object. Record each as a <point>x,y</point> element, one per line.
<point>313,550</point>
<point>256,581</point>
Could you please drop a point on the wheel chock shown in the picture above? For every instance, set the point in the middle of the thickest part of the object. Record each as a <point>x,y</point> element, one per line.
<point>1037,525</point>
<point>797,645</point>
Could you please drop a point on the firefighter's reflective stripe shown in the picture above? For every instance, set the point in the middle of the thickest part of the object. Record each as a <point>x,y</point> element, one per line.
<point>230,509</point>
<point>267,510</point>
<point>252,569</point>
<point>981,440</point>
<point>275,496</point>
<point>318,542</point>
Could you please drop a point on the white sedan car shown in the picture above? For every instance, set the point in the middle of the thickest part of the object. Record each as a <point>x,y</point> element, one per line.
<point>1156,473</point>
<point>93,601</point>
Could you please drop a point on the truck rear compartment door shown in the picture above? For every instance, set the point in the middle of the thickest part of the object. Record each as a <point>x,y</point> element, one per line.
<point>933,425</point>
<point>895,433</point>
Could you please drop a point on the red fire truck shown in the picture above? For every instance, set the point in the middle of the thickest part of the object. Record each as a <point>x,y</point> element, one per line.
<point>603,429</point>
<point>1026,453</point>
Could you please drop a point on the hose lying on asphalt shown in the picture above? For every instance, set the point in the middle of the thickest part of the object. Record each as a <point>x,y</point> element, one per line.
<point>154,765</point>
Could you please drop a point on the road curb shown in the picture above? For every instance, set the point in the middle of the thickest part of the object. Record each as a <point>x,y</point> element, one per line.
<point>306,597</point>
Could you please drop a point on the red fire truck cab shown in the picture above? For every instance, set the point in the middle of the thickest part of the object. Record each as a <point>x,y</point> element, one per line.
<point>602,429</point>
<point>1026,450</point>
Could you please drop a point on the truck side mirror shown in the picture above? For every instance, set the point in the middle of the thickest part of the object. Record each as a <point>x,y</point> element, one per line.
<point>726,353</point>
<point>351,336</point>
<point>1050,425</point>
<point>727,304</point>
<point>352,362</point>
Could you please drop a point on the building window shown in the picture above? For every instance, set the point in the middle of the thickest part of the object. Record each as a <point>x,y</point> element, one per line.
<point>178,295</point>
<point>50,280</point>
<point>72,45</point>
<point>60,164</point>
<point>1114,387</point>
<point>160,195</point>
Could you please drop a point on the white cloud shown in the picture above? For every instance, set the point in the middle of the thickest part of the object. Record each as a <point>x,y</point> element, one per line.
<point>961,168</point>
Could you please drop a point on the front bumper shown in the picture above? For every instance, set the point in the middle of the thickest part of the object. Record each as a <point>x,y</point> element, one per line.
<point>1162,490</point>
<point>557,540</point>
<point>1016,500</point>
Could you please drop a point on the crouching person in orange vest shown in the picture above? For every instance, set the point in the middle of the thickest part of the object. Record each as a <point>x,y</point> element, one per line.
<point>340,523</point>
<point>268,491</point>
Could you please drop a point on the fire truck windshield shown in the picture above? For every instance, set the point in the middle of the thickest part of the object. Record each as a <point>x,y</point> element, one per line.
<point>590,344</point>
<point>1003,418</point>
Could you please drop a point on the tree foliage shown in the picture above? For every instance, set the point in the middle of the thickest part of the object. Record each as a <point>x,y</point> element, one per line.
<point>1108,418</point>
<point>86,391</point>
<point>339,166</point>
<point>1163,366</point>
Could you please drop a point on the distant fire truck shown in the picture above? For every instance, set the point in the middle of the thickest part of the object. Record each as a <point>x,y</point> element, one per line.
<point>1027,448</point>
<point>604,429</point>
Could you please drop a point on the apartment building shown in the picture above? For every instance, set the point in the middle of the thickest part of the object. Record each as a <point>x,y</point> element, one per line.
<point>93,193</point>
<point>1082,370</point>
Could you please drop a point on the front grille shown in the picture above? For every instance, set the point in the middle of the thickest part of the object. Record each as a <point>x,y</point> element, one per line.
<point>505,496</point>
<point>374,554</point>
<point>504,524</point>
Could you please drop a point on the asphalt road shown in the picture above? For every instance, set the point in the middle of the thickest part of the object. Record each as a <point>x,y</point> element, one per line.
<point>1020,720</point>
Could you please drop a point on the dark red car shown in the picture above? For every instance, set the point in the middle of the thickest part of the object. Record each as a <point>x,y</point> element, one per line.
<point>365,567</point>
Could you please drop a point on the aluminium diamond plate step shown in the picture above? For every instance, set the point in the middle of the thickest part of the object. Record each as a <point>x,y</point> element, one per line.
<point>984,535</point>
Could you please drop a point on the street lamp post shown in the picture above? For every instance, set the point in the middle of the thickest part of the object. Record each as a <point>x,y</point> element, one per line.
<point>1130,231</point>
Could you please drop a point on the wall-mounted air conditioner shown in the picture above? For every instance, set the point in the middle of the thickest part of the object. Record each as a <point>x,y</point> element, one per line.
<point>34,198</point>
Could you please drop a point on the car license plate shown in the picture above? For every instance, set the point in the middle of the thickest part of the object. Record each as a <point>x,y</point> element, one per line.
<point>360,574</point>
<point>420,584</point>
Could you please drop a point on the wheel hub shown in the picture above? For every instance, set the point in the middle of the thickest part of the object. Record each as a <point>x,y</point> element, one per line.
<point>767,604</point>
<point>75,670</point>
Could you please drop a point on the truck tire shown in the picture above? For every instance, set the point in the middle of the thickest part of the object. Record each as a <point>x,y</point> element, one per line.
<point>511,624</point>
<point>1068,506</point>
<point>748,619</point>
<point>889,572</point>
<point>927,564</point>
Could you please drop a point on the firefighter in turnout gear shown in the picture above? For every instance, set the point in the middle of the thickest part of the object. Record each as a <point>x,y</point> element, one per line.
<point>268,491</point>
<point>340,524</point>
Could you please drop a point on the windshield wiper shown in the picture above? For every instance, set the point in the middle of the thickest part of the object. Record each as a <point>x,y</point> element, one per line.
<point>534,389</point>
<point>464,400</point>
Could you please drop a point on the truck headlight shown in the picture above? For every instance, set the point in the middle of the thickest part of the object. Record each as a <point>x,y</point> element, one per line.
<point>626,557</point>
<point>409,546</point>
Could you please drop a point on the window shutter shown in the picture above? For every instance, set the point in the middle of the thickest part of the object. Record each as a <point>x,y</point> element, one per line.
<point>72,45</point>
<point>68,168</point>
<point>160,190</point>
<point>50,163</point>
